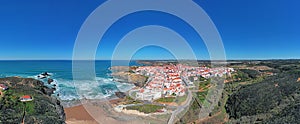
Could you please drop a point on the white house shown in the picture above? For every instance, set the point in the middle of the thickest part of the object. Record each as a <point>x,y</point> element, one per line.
<point>26,98</point>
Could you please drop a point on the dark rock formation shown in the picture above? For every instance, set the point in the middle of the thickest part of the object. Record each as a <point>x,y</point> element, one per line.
<point>46,74</point>
<point>44,109</point>
<point>120,94</point>
<point>50,80</point>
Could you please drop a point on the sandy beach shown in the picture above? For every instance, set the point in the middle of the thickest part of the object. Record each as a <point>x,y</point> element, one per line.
<point>89,113</point>
<point>101,113</point>
<point>94,113</point>
<point>78,115</point>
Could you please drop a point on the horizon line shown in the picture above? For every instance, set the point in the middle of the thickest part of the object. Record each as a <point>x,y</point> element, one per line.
<point>146,59</point>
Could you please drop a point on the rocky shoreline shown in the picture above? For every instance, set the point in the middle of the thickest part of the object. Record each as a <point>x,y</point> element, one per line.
<point>45,108</point>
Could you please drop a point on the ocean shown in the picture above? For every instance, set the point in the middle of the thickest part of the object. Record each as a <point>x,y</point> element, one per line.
<point>102,86</point>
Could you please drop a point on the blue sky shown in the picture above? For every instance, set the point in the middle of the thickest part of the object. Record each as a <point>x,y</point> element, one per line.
<point>250,29</point>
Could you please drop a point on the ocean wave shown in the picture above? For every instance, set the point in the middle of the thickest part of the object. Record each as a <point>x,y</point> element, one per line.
<point>66,89</point>
<point>100,88</point>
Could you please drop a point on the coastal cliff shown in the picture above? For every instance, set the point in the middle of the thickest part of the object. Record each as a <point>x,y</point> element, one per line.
<point>127,75</point>
<point>40,109</point>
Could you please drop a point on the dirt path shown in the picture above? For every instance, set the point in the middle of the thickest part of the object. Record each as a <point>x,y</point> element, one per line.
<point>24,113</point>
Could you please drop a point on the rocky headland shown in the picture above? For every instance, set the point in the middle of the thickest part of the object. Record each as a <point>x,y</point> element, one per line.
<point>126,74</point>
<point>42,109</point>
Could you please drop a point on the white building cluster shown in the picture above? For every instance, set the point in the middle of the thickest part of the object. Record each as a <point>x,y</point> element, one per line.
<point>168,80</point>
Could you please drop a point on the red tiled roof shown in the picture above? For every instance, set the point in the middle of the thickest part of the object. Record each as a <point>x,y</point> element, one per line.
<point>142,90</point>
<point>26,97</point>
<point>3,86</point>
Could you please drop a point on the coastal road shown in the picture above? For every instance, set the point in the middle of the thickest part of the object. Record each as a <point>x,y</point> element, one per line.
<point>181,108</point>
<point>136,90</point>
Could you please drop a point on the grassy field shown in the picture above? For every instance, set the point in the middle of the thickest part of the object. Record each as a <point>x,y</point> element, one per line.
<point>204,84</point>
<point>181,99</point>
<point>178,100</point>
<point>166,99</point>
<point>145,108</point>
<point>201,96</point>
<point>129,100</point>
<point>29,107</point>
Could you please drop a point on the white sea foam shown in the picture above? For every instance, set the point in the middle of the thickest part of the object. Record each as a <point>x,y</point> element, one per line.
<point>100,88</point>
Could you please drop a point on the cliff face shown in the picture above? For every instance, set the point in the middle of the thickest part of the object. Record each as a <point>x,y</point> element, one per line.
<point>126,74</point>
<point>43,109</point>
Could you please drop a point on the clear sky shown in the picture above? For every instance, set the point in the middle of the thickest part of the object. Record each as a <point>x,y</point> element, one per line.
<point>250,29</point>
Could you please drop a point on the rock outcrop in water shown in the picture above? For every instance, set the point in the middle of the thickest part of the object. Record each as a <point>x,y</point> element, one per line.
<point>50,80</point>
<point>44,109</point>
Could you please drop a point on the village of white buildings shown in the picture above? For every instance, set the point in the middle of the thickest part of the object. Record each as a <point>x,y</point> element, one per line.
<point>173,80</point>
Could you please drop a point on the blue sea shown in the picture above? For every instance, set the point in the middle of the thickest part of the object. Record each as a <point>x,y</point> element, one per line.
<point>102,86</point>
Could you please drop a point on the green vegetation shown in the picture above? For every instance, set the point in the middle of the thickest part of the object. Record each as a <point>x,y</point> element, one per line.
<point>29,107</point>
<point>240,76</point>
<point>253,96</point>
<point>147,108</point>
<point>250,73</point>
<point>192,114</point>
<point>273,99</point>
<point>264,97</point>
<point>181,99</point>
<point>128,100</point>
<point>178,100</point>
<point>166,99</point>
<point>198,101</point>
<point>43,109</point>
<point>203,86</point>
<point>201,96</point>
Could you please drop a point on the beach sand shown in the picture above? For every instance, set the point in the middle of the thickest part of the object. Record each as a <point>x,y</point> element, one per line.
<point>92,113</point>
<point>100,113</point>
<point>78,115</point>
